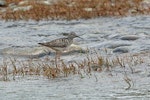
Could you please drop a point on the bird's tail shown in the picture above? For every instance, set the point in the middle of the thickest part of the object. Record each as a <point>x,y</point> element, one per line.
<point>41,44</point>
<point>44,44</point>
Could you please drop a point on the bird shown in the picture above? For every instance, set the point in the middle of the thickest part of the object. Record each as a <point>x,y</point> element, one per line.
<point>60,44</point>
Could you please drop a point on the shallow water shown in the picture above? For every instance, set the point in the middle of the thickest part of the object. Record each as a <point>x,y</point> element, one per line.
<point>107,87</point>
<point>97,33</point>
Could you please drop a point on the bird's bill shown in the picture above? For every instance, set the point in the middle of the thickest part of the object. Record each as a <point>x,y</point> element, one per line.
<point>79,37</point>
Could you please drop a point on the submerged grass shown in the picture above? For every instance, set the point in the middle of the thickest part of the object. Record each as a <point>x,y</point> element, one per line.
<point>12,67</point>
<point>75,9</point>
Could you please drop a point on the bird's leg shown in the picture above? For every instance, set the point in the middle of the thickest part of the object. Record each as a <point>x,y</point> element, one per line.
<point>59,53</point>
<point>57,58</point>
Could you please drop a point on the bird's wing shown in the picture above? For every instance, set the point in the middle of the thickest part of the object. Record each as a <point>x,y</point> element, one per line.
<point>62,42</point>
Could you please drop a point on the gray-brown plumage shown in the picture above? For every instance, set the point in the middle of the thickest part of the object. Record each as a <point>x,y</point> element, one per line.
<point>60,44</point>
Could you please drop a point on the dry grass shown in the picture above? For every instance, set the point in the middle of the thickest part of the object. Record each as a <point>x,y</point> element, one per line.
<point>76,9</point>
<point>49,68</point>
<point>13,1</point>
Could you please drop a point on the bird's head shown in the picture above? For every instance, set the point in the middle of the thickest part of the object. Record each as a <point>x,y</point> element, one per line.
<point>73,35</point>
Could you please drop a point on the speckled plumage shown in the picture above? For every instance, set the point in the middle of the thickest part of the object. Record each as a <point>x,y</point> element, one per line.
<point>60,44</point>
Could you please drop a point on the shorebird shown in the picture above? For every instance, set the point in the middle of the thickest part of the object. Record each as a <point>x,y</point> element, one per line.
<point>61,44</point>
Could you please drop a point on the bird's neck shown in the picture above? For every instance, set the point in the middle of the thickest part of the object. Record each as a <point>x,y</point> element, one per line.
<point>70,38</point>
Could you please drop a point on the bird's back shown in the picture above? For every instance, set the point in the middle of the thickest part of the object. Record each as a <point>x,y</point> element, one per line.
<point>61,42</point>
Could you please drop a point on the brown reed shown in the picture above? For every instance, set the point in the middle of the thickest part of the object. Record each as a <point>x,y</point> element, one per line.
<point>76,9</point>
